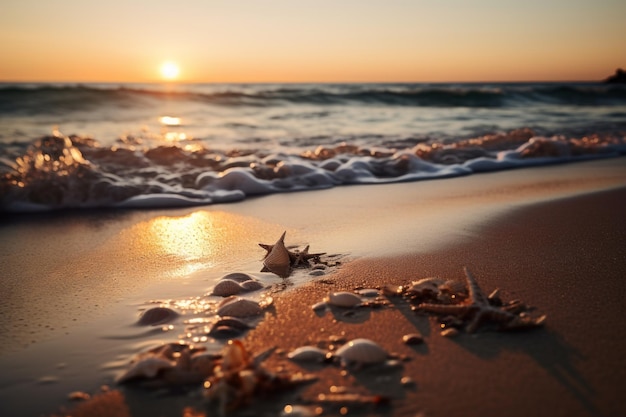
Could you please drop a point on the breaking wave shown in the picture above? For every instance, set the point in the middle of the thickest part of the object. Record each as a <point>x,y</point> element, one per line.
<point>70,172</point>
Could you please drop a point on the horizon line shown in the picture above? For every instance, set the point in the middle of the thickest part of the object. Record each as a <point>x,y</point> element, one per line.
<point>189,82</point>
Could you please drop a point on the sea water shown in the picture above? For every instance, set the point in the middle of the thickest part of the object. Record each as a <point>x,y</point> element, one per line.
<point>111,146</point>
<point>67,145</point>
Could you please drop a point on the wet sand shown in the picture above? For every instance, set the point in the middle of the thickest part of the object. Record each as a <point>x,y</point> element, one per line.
<point>552,237</point>
<point>563,257</point>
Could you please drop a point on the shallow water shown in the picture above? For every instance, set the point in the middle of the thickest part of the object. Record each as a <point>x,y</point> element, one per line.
<point>77,280</point>
<point>146,145</point>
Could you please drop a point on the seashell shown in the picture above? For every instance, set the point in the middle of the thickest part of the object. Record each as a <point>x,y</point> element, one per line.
<point>368,292</point>
<point>307,354</point>
<point>335,339</point>
<point>392,290</point>
<point>266,302</point>
<point>425,286</point>
<point>233,322</point>
<point>361,351</point>
<point>453,287</point>
<point>204,362</point>
<point>148,367</point>
<point>227,300</point>
<point>407,382</point>
<point>157,315</point>
<point>277,260</point>
<point>224,332</point>
<point>238,277</point>
<point>226,287</point>
<point>321,306</point>
<point>171,351</point>
<point>239,307</point>
<point>235,356</point>
<point>449,332</point>
<point>344,299</point>
<point>78,396</point>
<point>412,339</point>
<point>251,285</point>
<point>299,411</point>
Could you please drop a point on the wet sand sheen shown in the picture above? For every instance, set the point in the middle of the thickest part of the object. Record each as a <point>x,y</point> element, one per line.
<point>541,253</point>
<point>563,257</point>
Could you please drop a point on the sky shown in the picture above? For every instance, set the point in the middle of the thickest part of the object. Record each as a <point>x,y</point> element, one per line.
<point>311,40</point>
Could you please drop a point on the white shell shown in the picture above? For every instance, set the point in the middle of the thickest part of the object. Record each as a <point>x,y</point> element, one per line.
<point>425,286</point>
<point>238,277</point>
<point>361,351</point>
<point>148,367</point>
<point>226,287</point>
<point>251,285</point>
<point>344,299</point>
<point>239,307</point>
<point>307,354</point>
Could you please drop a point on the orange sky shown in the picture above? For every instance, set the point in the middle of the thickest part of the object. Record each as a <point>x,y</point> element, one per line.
<point>312,41</point>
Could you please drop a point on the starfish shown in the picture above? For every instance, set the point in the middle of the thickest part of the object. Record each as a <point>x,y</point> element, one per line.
<point>302,257</point>
<point>477,308</point>
<point>296,257</point>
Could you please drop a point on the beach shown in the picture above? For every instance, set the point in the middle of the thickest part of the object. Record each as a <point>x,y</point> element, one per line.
<point>551,236</point>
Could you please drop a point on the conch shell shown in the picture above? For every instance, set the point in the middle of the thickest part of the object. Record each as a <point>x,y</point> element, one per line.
<point>277,260</point>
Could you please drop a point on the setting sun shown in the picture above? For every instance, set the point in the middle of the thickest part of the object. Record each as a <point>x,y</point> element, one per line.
<point>170,70</point>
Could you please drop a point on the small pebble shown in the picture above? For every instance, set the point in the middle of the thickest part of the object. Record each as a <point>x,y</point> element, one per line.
<point>78,396</point>
<point>449,332</point>
<point>157,315</point>
<point>336,339</point>
<point>368,292</point>
<point>392,290</point>
<point>407,382</point>
<point>412,339</point>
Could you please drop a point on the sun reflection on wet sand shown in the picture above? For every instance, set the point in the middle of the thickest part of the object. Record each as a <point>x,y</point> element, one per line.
<point>190,238</point>
<point>192,242</point>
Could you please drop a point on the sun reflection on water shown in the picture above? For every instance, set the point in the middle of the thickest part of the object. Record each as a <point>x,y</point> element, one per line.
<point>170,120</point>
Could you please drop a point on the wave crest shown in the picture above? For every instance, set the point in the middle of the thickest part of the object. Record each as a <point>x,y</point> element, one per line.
<point>61,172</point>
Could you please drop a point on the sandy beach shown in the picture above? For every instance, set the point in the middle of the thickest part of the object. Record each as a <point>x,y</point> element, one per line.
<point>550,236</point>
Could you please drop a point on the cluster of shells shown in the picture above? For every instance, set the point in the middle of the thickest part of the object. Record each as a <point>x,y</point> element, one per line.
<point>234,377</point>
<point>230,317</point>
<point>236,283</point>
<point>282,260</point>
<point>459,307</point>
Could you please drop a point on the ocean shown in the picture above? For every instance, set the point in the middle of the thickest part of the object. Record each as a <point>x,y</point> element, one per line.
<point>82,146</point>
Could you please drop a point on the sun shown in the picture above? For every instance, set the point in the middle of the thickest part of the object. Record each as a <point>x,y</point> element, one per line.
<point>170,70</point>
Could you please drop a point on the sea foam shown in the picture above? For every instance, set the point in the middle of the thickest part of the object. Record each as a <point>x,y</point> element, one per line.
<point>63,172</point>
